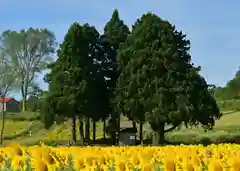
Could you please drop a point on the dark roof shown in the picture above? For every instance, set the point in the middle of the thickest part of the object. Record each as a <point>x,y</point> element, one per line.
<point>130,130</point>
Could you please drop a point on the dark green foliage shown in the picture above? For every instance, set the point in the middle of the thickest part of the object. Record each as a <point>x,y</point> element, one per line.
<point>115,33</point>
<point>159,83</point>
<point>47,113</point>
<point>33,103</point>
<point>76,82</point>
<point>71,72</point>
<point>231,90</point>
<point>229,105</point>
<point>147,76</point>
<point>96,104</point>
<point>68,77</point>
<point>96,92</point>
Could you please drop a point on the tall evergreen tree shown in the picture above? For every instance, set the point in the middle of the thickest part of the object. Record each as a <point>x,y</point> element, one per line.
<point>96,91</point>
<point>115,33</point>
<point>70,75</point>
<point>159,83</point>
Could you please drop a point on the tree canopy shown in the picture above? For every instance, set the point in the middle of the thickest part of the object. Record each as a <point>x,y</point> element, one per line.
<point>115,34</point>
<point>158,81</point>
<point>231,90</point>
<point>146,75</point>
<point>76,82</point>
<point>28,51</point>
<point>9,81</point>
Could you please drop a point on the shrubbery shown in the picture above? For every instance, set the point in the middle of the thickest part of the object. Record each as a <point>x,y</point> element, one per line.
<point>229,105</point>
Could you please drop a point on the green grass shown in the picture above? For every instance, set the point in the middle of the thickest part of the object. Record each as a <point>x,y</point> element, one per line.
<point>22,116</point>
<point>17,127</point>
<point>227,128</point>
<point>232,105</point>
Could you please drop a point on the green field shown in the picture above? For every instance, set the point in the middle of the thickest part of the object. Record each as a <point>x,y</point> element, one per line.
<point>233,105</point>
<point>226,129</point>
<point>26,128</point>
<point>19,125</point>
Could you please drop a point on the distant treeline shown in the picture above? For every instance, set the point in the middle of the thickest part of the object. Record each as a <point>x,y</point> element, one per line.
<point>230,91</point>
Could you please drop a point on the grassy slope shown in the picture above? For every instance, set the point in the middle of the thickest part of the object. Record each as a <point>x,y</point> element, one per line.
<point>17,127</point>
<point>17,130</point>
<point>227,126</point>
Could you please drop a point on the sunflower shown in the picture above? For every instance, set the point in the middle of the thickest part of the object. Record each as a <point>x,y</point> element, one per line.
<point>18,162</point>
<point>169,165</point>
<point>39,165</point>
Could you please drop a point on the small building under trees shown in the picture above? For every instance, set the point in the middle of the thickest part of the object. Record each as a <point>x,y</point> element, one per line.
<point>127,136</point>
<point>10,105</point>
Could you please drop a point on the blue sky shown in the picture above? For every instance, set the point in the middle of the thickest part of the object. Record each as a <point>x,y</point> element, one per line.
<point>211,26</point>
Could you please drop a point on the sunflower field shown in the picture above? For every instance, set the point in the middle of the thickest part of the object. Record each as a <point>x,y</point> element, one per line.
<point>224,157</point>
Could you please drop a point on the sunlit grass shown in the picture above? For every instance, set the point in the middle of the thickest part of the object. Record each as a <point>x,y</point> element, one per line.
<point>228,127</point>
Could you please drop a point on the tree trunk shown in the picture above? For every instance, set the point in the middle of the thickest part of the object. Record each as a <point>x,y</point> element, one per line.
<point>141,132</point>
<point>81,131</point>
<point>24,97</point>
<point>24,104</point>
<point>74,137</point>
<point>104,128</point>
<point>3,122</point>
<point>134,124</point>
<point>159,139</point>
<point>118,128</point>
<point>94,130</point>
<point>113,128</point>
<point>87,129</point>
